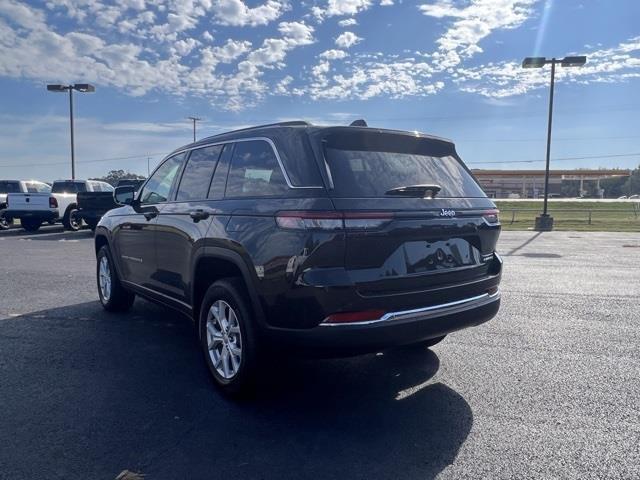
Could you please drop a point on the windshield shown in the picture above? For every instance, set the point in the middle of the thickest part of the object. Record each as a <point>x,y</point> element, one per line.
<point>68,187</point>
<point>377,163</point>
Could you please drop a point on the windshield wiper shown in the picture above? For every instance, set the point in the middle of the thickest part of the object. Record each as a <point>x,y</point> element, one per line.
<point>418,191</point>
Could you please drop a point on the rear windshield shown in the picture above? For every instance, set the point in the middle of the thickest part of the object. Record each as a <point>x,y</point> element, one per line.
<point>68,187</point>
<point>368,165</point>
<point>9,187</point>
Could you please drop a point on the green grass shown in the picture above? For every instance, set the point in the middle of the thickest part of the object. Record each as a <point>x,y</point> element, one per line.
<point>605,216</point>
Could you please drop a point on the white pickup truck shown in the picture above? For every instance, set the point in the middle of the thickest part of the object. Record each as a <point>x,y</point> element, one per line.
<point>59,205</point>
<point>17,186</point>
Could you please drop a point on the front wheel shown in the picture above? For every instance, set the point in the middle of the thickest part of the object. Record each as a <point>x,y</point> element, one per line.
<point>228,336</point>
<point>71,220</point>
<point>30,224</point>
<point>113,296</point>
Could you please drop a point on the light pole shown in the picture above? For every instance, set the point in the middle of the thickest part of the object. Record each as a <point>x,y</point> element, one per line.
<point>544,223</point>
<point>80,87</point>
<point>194,120</point>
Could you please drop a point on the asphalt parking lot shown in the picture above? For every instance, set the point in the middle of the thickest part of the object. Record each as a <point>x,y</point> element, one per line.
<point>548,389</point>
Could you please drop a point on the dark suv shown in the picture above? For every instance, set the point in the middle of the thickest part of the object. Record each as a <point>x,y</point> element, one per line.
<point>323,240</point>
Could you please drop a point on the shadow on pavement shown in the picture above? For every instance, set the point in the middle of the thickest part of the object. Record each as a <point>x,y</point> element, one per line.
<point>86,394</point>
<point>48,233</point>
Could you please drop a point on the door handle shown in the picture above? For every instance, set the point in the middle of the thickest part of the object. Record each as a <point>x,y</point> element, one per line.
<point>198,215</point>
<point>150,215</point>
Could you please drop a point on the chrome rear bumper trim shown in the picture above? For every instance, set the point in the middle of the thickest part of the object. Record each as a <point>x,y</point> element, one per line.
<point>428,312</point>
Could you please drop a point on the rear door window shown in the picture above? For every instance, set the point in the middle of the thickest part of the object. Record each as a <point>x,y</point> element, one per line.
<point>371,165</point>
<point>197,173</point>
<point>255,171</point>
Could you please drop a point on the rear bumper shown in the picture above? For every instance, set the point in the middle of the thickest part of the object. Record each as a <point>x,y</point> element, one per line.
<point>44,215</point>
<point>393,329</point>
<point>90,215</point>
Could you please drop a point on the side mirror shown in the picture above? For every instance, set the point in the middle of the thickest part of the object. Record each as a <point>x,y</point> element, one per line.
<point>124,195</point>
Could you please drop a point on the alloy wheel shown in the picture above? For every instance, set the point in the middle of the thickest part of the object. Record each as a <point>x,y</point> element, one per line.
<point>224,339</point>
<point>104,276</point>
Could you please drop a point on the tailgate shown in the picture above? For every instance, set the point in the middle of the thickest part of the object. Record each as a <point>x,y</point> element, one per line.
<point>28,201</point>
<point>100,201</point>
<point>405,249</point>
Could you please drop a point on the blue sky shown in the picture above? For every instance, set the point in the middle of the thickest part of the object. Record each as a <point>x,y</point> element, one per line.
<point>446,67</point>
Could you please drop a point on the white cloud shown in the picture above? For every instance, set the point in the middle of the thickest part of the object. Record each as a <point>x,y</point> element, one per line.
<point>394,79</point>
<point>505,79</point>
<point>236,13</point>
<point>340,8</point>
<point>333,54</point>
<point>386,3</point>
<point>473,22</point>
<point>347,40</point>
<point>296,33</point>
<point>348,22</point>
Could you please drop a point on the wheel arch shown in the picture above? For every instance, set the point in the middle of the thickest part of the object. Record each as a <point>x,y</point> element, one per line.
<point>215,263</point>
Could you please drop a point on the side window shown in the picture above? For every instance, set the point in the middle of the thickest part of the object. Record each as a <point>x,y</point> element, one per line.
<point>105,187</point>
<point>94,186</point>
<point>255,171</point>
<point>41,187</point>
<point>196,177</point>
<point>31,187</point>
<point>158,188</point>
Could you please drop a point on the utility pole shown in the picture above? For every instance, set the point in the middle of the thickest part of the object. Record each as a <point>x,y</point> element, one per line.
<point>194,120</point>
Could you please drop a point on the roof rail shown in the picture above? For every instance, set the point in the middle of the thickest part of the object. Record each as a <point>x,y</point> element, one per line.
<point>290,123</point>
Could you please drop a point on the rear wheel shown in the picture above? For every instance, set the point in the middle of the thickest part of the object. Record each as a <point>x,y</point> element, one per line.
<point>228,337</point>
<point>71,220</point>
<point>92,224</point>
<point>30,224</point>
<point>432,341</point>
<point>4,223</point>
<point>113,296</point>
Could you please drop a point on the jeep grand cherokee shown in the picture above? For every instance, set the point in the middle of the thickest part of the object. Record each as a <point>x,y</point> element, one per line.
<point>338,240</point>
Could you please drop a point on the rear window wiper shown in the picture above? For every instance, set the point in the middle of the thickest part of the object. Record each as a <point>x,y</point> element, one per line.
<point>419,191</point>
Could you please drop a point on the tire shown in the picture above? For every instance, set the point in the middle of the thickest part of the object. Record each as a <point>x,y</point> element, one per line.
<point>92,224</point>
<point>432,341</point>
<point>70,221</point>
<point>113,296</point>
<point>30,224</point>
<point>4,223</point>
<point>231,353</point>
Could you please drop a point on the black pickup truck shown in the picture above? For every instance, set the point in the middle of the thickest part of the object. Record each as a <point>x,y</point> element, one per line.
<point>93,205</point>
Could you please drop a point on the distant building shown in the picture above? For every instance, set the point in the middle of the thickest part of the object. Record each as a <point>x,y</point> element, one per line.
<point>530,183</point>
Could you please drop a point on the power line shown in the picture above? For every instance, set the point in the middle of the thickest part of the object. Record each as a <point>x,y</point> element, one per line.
<point>84,161</point>
<point>561,159</point>
<point>517,140</point>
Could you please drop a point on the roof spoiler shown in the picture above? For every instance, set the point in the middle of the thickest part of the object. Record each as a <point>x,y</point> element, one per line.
<point>359,123</point>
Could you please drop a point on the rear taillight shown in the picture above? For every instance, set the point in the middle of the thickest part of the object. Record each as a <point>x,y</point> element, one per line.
<point>53,202</point>
<point>491,217</point>
<point>354,317</point>
<point>316,220</point>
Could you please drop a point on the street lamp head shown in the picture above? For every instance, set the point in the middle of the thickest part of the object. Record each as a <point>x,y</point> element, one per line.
<point>84,87</point>
<point>57,88</point>
<point>534,62</point>
<point>573,61</point>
